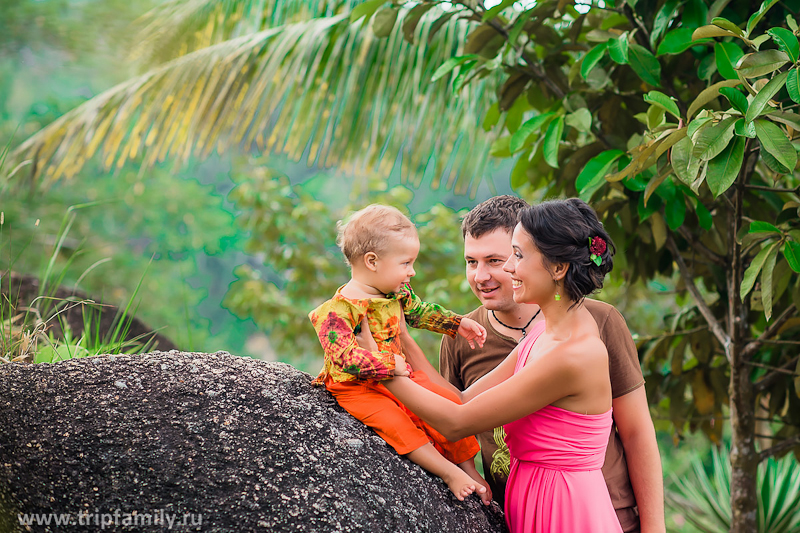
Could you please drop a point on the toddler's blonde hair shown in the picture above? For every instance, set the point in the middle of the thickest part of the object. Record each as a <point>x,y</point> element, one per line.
<point>369,230</point>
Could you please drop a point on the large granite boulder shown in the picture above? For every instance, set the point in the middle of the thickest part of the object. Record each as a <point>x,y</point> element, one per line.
<point>233,443</point>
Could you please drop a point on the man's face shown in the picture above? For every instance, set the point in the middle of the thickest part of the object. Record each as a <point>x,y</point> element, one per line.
<point>485,257</point>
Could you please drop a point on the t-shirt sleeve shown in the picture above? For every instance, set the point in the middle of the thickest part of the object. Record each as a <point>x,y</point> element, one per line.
<point>623,358</point>
<point>424,315</point>
<point>335,323</point>
<point>449,367</point>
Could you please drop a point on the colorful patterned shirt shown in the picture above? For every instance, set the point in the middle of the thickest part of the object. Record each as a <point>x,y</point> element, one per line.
<point>338,321</point>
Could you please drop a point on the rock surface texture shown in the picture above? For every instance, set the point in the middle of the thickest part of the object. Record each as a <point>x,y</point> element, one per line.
<point>235,444</point>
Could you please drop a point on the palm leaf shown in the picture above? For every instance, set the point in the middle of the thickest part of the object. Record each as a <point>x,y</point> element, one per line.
<point>175,27</point>
<point>324,87</point>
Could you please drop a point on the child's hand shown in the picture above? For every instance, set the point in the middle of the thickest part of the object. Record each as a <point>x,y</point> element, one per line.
<point>472,331</point>
<point>400,366</point>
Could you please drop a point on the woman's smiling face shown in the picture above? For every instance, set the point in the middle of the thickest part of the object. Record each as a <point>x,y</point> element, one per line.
<point>531,280</point>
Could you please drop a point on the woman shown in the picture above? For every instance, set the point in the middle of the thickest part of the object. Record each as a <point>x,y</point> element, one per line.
<point>555,398</point>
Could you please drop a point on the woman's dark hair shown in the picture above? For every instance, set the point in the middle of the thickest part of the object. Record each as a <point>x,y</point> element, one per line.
<point>562,231</point>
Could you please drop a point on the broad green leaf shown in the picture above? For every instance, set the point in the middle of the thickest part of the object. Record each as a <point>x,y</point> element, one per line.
<point>484,41</point>
<point>618,49</point>
<point>704,216</point>
<point>790,119</point>
<point>581,120</point>
<point>791,22</point>
<point>786,41</point>
<point>411,21</point>
<point>383,22</point>
<point>552,138</point>
<point>644,64</point>
<point>440,22</point>
<point>755,17</point>
<point>723,169</point>
<point>705,32</point>
<point>773,163</point>
<point>727,55</point>
<point>529,127</point>
<point>708,94</point>
<point>661,21</point>
<point>793,85</point>
<point>736,98</point>
<point>764,95</point>
<point>675,211</point>
<point>791,252</point>
<point>493,12</point>
<point>615,19</point>
<point>681,153</point>
<point>596,168</point>
<point>707,67</point>
<point>758,226</point>
<point>774,141</point>
<point>591,59</point>
<point>519,25</point>
<point>695,14</point>
<point>726,24</point>
<point>697,124</point>
<point>519,174</point>
<point>677,41</point>
<point>760,63</point>
<point>365,10</point>
<point>450,64</point>
<point>750,275</point>
<point>500,147</point>
<point>655,116</point>
<point>492,117</point>
<point>767,289</point>
<point>713,140</point>
<point>744,129</point>
<point>664,102</point>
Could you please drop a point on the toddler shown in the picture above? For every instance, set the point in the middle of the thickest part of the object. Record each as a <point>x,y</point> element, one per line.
<point>380,244</point>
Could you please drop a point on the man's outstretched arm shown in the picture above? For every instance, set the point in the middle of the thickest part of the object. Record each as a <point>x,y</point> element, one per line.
<point>635,427</point>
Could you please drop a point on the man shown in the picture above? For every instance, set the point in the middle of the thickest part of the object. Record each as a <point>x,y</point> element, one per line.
<point>633,466</point>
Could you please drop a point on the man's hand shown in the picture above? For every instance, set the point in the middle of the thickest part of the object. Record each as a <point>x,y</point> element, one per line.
<point>472,331</point>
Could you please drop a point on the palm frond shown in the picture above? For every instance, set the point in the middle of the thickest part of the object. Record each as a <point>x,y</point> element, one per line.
<point>326,88</point>
<point>176,27</point>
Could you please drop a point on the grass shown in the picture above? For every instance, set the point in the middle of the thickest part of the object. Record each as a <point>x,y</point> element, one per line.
<point>27,333</point>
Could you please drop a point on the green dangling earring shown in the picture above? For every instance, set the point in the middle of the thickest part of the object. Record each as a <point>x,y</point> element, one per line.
<point>558,297</point>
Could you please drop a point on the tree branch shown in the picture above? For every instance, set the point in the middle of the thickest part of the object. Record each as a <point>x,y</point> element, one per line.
<point>751,347</point>
<point>795,190</point>
<point>778,448</point>
<point>713,324</point>
<point>767,381</point>
<point>702,248</point>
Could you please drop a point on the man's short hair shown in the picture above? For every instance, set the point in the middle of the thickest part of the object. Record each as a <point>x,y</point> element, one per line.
<point>498,212</point>
<point>370,229</point>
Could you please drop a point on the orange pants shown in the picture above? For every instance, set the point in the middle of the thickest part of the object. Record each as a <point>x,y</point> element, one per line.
<point>375,406</point>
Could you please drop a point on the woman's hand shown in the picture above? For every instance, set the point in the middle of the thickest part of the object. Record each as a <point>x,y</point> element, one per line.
<point>364,337</point>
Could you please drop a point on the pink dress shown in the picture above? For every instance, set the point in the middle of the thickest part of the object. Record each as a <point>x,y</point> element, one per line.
<point>556,485</point>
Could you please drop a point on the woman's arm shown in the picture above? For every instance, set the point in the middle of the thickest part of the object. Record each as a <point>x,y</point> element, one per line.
<point>540,383</point>
<point>498,375</point>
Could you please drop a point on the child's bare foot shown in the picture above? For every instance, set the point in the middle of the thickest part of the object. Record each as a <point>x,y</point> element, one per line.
<point>461,484</point>
<point>482,488</point>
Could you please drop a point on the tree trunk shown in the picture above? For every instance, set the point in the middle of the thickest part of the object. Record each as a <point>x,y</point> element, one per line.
<point>744,459</point>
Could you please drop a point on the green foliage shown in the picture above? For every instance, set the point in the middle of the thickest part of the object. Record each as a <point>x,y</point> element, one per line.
<point>702,496</point>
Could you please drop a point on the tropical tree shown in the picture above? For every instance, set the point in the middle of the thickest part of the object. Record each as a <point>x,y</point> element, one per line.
<point>676,120</point>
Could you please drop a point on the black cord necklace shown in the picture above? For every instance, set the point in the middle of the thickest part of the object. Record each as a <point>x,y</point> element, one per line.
<point>522,329</point>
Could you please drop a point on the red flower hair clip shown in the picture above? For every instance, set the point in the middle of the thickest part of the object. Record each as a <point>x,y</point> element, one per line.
<point>596,248</point>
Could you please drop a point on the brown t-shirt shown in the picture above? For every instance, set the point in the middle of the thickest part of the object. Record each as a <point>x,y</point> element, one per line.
<point>462,366</point>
